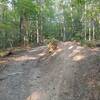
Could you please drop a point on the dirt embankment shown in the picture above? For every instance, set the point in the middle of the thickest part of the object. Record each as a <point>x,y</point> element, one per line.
<point>70,73</point>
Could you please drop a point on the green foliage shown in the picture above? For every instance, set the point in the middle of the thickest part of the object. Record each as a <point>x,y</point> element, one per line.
<point>27,7</point>
<point>78,37</point>
<point>52,41</point>
<point>22,20</point>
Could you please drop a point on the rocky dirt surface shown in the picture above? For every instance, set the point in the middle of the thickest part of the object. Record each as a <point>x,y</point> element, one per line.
<point>72,72</point>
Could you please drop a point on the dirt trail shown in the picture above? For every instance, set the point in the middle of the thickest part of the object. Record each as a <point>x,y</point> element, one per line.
<point>64,75</point>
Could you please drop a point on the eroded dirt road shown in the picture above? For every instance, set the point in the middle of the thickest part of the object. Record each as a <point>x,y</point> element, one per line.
<point>71,73</point>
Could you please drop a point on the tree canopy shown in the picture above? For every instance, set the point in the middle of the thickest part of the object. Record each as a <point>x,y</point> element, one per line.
<point>25,22</point>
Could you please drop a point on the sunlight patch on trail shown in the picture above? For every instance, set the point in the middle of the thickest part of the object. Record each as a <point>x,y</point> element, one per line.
<point>40,95</point>
<point>78,57</point>
<point>3,62</point>
<point>57,51</point>
<point>71,47</point>
<point>74,53</point>
<point>41,54</point>
<point>24,58</point>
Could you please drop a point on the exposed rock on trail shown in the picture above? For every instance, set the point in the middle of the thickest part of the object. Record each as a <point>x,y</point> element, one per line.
<point>70,73</point>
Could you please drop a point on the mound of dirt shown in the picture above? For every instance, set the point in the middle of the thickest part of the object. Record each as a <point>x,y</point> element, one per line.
<point>72,72</point>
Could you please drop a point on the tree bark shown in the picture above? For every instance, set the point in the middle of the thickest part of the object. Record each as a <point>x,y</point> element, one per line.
<point>37,32</point>
<point>93,32</point>
<point>89,30</point>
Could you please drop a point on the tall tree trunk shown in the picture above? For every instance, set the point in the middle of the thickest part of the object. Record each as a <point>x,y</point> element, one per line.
<point>24,29</point>
<point>64,33</point>
<point>64,25</point>
<point>21,28</point>
<point>85,29</point>
<point>71,14</point>
<point>39,23</point>
<point>89,30</point>
<point>93,31</point>
<point>37,32</point>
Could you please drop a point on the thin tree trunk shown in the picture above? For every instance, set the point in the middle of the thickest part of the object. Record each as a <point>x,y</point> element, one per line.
<point>85,22</point>
<point>64,33</point>
<point>40,23</point>
<point>85,31</point>
<point>89,31</point>
<point>37,32</point>
<point>22,30</point>
<point>71,14</point>
<point>93,32</point>
<point>64,26</point>
<point>93,26</point>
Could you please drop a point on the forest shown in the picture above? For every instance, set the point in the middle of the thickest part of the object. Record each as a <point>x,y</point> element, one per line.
<point>49,49</point>
<point>30,22</point>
